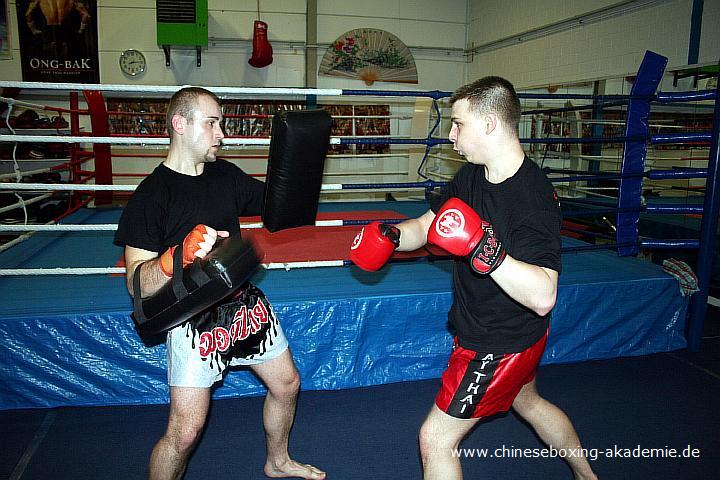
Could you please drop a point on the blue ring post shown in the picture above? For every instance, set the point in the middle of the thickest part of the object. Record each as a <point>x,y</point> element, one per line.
<point>637,131</point>
<point>708,228</point>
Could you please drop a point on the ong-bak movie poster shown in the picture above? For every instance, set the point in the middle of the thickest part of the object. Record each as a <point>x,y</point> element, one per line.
<point>58,40</point>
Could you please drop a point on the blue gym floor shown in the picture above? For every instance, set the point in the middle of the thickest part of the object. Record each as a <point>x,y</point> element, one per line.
<point>659,401</point>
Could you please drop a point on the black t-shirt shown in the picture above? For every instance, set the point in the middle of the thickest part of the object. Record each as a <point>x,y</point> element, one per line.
<point>525,214</point>
<point>167,205</point>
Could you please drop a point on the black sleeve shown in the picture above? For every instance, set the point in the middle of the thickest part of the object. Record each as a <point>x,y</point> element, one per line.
<point>140,224</point>
<point>537,240</point>
<point>251,194</point>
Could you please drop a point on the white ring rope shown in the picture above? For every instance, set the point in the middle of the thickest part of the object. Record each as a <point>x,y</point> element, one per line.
<point>291,265</point>
<point>4,272</point>
<point>129,140</point>
<point>65,187</point>
<point>100,227</point>
<point>7,122</point>
<point>25,202</point>
<point>326,187</point>
<point>171,89</point>
<point>97,227</point>
<point>319,223</point>
<point>83,139</point>
<point>12,243</point>
<point>14,101</point>
<point>62,271</point>
<point>25,172</point>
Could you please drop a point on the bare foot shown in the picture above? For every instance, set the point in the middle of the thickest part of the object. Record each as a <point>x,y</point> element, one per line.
<point>294,469</point>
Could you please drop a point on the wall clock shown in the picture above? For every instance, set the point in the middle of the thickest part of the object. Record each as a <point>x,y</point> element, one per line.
<point>132,62</point>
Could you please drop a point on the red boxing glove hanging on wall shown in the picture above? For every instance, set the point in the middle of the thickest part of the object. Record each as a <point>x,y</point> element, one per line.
<point>262,50</point>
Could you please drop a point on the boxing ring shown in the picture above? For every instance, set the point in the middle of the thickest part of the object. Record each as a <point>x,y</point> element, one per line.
<point>68,338</point>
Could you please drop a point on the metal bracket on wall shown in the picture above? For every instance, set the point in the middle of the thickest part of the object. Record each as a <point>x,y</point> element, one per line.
<point>198,55</point>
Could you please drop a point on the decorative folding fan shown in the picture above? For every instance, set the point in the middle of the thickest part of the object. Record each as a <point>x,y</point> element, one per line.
<point>370,55</point>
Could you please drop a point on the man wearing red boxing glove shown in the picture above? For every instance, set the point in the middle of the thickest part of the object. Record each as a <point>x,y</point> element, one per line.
<point>374,245</point>
<point>500,217</point>
<point>188,202</point>
<point>460,231</point>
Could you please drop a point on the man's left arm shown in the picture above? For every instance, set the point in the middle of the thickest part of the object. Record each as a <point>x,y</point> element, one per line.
<point>459,229</point>
<point>251,192</point>
<point>530,285</point>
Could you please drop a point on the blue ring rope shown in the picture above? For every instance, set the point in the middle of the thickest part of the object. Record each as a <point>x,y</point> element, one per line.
<point>651,174</point>
<point>427,184</point>
<point>661,97</point>
<point>428,147</point>
<point>704,137</point>
<point>435,94</point>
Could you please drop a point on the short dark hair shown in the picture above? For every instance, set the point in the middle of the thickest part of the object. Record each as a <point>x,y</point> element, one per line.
<point>183,102</point>
<point>491,94</point>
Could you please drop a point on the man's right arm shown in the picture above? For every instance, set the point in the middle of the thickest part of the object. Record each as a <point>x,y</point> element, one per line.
<point>151,275</point>
<point>413,232</point>
<point>157,272</point>
<point>374,244</point>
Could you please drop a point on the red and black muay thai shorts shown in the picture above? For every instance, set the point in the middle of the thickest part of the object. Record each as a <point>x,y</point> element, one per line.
<point>480,384</point>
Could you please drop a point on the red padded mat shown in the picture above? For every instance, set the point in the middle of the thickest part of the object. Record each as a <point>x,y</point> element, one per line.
<point>313,244</point>
<point>307,244</point>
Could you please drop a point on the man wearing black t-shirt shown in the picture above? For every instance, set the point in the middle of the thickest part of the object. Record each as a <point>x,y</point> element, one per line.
<point>186,203</point>
<point>501,218</point>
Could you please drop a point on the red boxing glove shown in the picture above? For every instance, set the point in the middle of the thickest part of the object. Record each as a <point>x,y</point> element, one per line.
<point>262,50</point>
<point>458,229</point>
<point>374,245</point>
<point>200,239</point>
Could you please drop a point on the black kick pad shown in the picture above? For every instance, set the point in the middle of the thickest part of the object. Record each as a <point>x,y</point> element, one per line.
<point>298,146</point>
<point>195,288</point>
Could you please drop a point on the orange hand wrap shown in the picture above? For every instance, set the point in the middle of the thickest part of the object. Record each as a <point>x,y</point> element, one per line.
<point>190,246</point>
